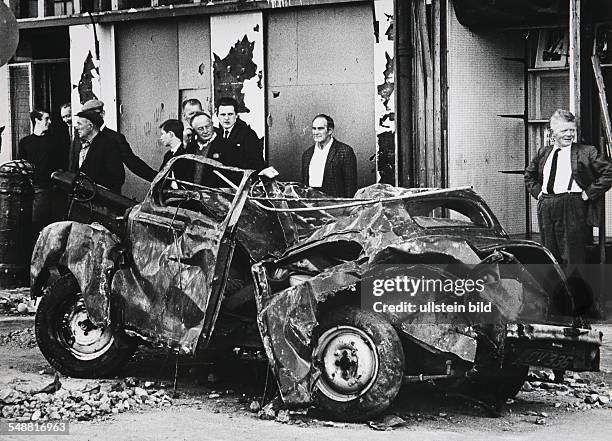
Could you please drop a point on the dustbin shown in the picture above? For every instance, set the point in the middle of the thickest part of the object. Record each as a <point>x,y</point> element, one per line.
<point>16,195</point>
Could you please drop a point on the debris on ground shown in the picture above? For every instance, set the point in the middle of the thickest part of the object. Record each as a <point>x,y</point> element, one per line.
<point>388,422</point>
<point>24,339</point>
<point>587,393</point>
<point>16,301</point>
<point>270,410</point>
<point>90,402</point>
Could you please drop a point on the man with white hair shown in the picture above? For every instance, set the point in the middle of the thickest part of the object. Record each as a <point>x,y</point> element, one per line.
<point>569,181</point>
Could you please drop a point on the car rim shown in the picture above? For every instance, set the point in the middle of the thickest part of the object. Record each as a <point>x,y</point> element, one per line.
<point>349,362</point>
<point>80,336</point>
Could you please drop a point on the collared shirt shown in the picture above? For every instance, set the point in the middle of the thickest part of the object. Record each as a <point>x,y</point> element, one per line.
<point>84,150</point>
<point>564,171</point>
<point>175,148</point>
<point>317,164</point>
<point>227,132</point>
<point>204,147</point>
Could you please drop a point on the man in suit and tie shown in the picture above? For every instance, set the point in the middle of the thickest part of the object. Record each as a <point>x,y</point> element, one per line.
<point>99,156</point>
<point>238,144</point>
<point>131,161</point>
<point>329,165</point>
<point>569,181</point>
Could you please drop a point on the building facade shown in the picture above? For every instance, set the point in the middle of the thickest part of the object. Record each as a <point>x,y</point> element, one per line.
<point>428,92</point>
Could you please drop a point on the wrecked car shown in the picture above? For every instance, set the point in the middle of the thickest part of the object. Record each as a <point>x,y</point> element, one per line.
<point>251,261</point>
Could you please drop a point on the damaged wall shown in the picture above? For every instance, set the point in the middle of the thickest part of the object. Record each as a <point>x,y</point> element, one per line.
<point>320,60</point>
<point>483,85</point>
<point>147,90</point>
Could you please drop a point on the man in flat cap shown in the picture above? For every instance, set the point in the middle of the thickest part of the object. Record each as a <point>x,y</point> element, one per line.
<point>99,156</point>
<point>131,161</point>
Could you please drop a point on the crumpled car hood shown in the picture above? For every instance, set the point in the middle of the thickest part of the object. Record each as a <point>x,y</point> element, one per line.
<point>387,234</point>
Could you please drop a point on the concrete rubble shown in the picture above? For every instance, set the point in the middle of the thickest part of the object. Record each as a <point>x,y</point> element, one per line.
<point>93,401</point>
<point>582,393</point>
<point>16,301</point>
<point>24,338</point>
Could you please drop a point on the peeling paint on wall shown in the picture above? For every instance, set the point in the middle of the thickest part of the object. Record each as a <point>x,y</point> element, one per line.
<point>237,64</point>
<point>384,80</point>
<point>92,77</point>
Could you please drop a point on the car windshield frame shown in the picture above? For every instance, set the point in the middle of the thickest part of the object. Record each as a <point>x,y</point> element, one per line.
<point>485,214</point>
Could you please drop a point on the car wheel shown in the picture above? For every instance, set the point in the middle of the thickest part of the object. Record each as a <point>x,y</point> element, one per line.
<point>70,342</point>
<point>361,361</point>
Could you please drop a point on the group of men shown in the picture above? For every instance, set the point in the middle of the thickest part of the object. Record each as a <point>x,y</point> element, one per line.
<point>329,165</point>
<point>100,152</point>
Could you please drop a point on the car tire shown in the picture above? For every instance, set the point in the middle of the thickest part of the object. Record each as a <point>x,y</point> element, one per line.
<point>70,342</point>
<point>361,361</point>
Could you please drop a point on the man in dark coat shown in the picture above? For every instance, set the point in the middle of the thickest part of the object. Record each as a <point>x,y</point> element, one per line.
<point>171,138</point>
<point>329,165</point>
<point>569,185</point>
<point>237,144</point>
<point>45,153</point>
<point>99,155</point>
<point>127,156</point>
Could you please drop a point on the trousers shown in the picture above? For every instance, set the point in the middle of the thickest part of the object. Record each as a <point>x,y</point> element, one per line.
<point>562,221</point>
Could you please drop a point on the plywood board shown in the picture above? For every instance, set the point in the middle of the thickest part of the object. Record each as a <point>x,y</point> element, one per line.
<point>147,90</point>
<point>194,63</point>
<point>316,69</point>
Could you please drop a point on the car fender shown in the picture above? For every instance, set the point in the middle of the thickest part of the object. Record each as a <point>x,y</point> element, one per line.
<point>88,252</point>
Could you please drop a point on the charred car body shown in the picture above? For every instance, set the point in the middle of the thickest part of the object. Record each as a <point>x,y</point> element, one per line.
<point>194,267</point>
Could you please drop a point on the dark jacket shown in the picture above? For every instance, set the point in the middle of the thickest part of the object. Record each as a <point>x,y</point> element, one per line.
<point>45,154</point>
<point>183,170</point>
<point>243,148</point>
<point>131,161</point>
<point>340,175</point>
<point>592,174</point>
<point>103,163</point>
<point>73,155</point>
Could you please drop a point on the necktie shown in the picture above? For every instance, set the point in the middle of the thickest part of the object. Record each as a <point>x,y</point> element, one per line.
<point>226,134</point>
<point>553,171</point>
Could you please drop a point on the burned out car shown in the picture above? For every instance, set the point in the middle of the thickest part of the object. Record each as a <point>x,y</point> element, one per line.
<point>251,261</point>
